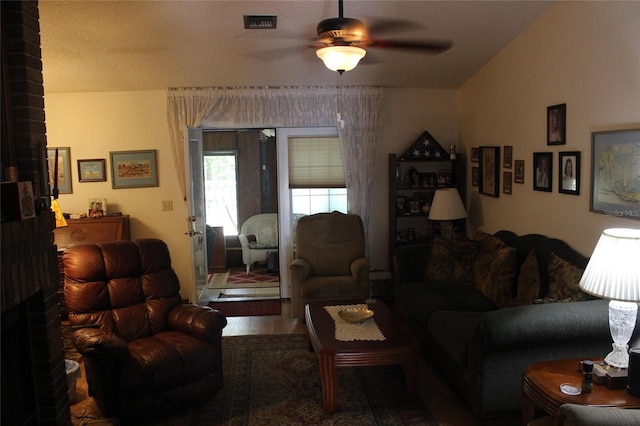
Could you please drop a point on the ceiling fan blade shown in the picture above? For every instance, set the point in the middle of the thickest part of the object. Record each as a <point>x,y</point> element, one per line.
<point>433,46</point>
<point>380,26</point>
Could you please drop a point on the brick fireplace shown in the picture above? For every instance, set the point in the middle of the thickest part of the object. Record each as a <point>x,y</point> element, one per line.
<point>34,387</point>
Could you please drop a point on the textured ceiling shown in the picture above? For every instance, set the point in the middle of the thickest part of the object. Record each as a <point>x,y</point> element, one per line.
<point>151,45</point>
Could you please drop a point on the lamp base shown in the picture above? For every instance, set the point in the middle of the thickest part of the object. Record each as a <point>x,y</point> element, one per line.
<point>622,321</point>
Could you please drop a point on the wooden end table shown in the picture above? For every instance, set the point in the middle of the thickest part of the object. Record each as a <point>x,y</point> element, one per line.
<point>541,388</point>
<point>399,347</point>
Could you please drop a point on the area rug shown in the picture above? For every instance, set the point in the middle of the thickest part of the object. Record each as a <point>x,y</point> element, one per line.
<point>238,279</point>
<point>275,380</point>
<point>231,307</point>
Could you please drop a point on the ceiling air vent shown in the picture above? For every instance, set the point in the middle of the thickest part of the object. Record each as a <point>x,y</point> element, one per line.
<point>260,22</point>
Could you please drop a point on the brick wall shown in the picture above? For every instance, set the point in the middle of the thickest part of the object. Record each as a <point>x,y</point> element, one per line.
<point>34,388</point>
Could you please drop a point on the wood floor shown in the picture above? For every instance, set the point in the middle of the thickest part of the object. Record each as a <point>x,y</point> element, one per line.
<point>434,392</point>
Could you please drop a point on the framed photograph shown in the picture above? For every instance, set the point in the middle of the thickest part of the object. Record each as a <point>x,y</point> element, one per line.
<point>92,170</point>
<point>475,155</point>
<point>507,159</point>
<point>615,173</point>
<point>63,167</point>
<point>542,172</point>
<point>507,177</point>
<point>97,207</point>
<point>518,176</point>
<point>134,169</point>
<point>490,170</point>
<point>569,173</point>
<point>556,124</point>
<point>475,176</point>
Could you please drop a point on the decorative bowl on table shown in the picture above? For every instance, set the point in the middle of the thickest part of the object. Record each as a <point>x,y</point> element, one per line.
<point>355,315</point>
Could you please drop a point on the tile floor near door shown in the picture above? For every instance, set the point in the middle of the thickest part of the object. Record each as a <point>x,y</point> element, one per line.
<point>434,392</point>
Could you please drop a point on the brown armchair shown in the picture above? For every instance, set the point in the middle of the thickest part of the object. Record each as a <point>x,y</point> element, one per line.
<point>330,263</point>
<point>146,354</point>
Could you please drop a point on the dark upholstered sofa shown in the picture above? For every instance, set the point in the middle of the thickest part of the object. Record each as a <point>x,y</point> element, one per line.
<point>485,309</point>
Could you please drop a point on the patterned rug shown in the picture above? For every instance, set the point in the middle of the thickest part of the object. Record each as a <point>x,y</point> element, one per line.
<point>274,380</point>
<point>259,278</point>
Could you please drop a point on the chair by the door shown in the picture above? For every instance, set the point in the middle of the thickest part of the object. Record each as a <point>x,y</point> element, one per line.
<point>258,236</point>
<point>146,353</point>
<point>330,263</point>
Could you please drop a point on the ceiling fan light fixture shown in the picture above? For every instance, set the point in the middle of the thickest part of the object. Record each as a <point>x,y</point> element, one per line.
<point>341,58</point>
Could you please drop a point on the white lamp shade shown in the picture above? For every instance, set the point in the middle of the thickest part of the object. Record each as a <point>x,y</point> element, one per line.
<point>613,272</point>
<point>447,205</point>
<point>341,58</point>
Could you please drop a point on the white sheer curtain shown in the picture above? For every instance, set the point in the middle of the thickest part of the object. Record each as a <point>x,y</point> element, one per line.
<point>309,106</point>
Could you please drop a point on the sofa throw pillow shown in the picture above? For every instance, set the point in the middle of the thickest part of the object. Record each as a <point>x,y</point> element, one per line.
<point>494,270</point>
<point>564,280</point>
<point>528,289</point>
<point>451,261</point>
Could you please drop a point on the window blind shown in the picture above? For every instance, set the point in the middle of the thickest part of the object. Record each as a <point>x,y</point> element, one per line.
<point>315,163</point>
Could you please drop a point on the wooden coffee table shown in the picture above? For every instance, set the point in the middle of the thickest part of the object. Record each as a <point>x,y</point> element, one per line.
<point>541,388</point>
<point>399,347</point>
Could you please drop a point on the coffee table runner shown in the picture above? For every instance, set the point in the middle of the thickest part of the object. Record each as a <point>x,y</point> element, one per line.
<point>346,331</point>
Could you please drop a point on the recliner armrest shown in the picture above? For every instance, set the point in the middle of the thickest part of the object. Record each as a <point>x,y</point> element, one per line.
<point>358,267</point>
<point>201,322</point>
<point>299,270</point>
<point>95,343</point>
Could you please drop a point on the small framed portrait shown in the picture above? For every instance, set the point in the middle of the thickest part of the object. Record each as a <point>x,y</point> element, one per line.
<point>542,172</point>
<point>92,170</point>
<point>475,154</point>
<point>569,181</point>
<point>507,178</point>
<point>475,176</point>
<point>490,170</point>
<point>507,158</point>
<point>556,124</point>
<point>518,176</point>
<point>97,207</point>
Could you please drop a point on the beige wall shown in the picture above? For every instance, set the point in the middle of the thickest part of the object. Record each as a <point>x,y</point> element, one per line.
<point>584,54</point>
<point>93,124</point>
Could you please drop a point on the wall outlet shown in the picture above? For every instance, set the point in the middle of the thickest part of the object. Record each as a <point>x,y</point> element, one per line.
<point>167,205</point>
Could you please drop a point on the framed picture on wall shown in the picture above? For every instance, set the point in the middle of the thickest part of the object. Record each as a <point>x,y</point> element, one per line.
<point>556,124</point>
<point>569,173</point>
<point>489,182</point>
<point>92,170</point>
<point>475,176</point>
<point>63,167</point>
<point>134,169</point>
<point>615,173</point>
<point>507,177</point>
<point>518,176</point>
<point>507,159</point>
<point>542,172</point>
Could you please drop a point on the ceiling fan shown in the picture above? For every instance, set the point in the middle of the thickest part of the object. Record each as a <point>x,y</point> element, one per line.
<point>341,42</point>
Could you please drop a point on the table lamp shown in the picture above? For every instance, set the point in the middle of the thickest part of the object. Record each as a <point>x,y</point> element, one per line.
<point>613,272</point>
<point>446,207</point>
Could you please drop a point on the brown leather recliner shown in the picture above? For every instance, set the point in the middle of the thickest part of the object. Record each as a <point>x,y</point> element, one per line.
<point>330,263</point>
<point>146,353</point>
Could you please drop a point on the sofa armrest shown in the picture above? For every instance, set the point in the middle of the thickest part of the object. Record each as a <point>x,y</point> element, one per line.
<point>201,322</point>
<point>97,343</point>
<point>541,325</point>
<point>584,415</point>
<point>410,262</point>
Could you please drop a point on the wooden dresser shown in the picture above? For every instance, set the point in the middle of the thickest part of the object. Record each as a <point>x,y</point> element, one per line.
<point>86,231</point>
